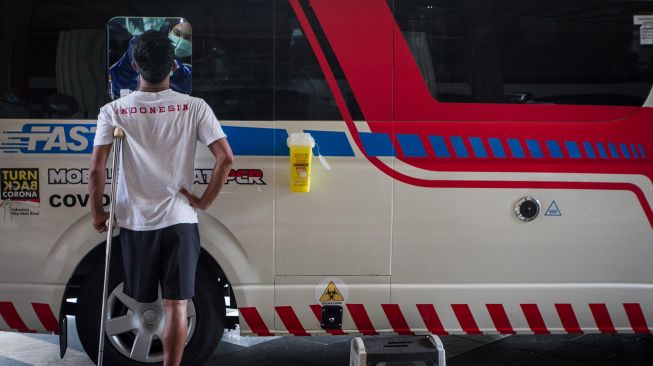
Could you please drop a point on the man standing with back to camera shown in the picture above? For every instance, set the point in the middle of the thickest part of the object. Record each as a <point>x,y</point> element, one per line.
<point>157,214</point>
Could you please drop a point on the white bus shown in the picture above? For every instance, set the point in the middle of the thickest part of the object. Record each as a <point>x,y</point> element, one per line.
<point>491,167</point>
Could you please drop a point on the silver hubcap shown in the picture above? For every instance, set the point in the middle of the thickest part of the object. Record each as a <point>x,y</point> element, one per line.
<point>136,329</point>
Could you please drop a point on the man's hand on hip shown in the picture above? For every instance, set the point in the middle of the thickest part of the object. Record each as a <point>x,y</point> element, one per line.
<point>194,200</point>
<point>224,160</point>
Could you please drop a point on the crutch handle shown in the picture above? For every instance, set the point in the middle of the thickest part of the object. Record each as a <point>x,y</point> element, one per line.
<point>118,133</point>
<point>106,223</point>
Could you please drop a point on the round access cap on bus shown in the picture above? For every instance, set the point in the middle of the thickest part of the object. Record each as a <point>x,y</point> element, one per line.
<point>527,209</point>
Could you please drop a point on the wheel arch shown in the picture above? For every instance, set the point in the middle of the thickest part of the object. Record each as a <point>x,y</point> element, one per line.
<point>221,253</point>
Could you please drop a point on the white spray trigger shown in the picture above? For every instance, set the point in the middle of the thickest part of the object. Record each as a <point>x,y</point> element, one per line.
<point>324,162</point>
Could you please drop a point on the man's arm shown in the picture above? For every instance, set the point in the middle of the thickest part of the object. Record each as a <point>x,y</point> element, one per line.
<point>224,159</point>
<point>96,181</point>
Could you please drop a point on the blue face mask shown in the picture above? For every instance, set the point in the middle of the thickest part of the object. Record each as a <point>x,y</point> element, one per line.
<point>183,47</point>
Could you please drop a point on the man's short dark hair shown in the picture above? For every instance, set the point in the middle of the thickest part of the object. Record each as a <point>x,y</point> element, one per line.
<point>154,56</point>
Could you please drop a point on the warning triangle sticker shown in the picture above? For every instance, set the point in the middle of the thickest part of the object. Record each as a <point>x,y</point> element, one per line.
<point>553,210</point>
<point>331,293</point>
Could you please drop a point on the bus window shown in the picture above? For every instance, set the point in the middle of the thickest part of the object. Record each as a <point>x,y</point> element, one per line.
<point>561,52</point>
<point>53,62</point>
<point>55,58</point>
<point>301,91</point>
<point>233,57</point>
<point>122,33</point>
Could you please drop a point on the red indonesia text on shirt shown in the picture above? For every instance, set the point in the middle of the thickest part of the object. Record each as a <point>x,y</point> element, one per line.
<point>152,110</point>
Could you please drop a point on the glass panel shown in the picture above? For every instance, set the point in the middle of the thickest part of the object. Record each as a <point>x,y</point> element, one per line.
<point>301,90</point>
<point>122,34</point>
<point>55,60</point>
<point>232,58</point>
<point>563,52</point>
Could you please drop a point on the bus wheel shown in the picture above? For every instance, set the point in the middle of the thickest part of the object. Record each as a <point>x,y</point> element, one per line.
<point>133,330</point>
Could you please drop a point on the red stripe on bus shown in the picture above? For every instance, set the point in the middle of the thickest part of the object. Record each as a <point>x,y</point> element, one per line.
<point>11,317</point>
<point>636,318</point>
<point>465,318</point>
<point>317,310</point>
<point>290,320</point>
<point>431,319</point>
<point>602,318</point>
<point>500,318</point>
<point>396,319</point>
<point>534,318</point>
<point>253,319</point>
<point>361,319</point>
<point>568,318</point>
<point>46,316</point>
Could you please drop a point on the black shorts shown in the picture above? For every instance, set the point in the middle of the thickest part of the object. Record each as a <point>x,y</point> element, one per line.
<point>165,256</point>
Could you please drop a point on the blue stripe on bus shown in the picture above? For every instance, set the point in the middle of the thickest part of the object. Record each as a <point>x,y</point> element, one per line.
<point>497,148</point>
<point>411,145</point>
<point>572,149</point>
<point>613,151</point>
<point>260,141</point>
<point>439,147</point>
<point>477,147</point>
<point>589,150</point>
<point>257,141</point>
<point>331,143</point>
<point>534,148</point>
<point>515,148</point>
<point>554,149</point>
<point>634,150</point>
<point>602,152</point>
<point>377,144</point>
<point>624,151</point>
<point>459,146</point>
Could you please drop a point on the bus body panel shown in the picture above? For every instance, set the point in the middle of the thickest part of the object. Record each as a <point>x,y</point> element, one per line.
<point>415,223</point>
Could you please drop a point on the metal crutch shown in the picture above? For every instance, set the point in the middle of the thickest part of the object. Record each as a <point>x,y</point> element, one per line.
<point>118,134</point>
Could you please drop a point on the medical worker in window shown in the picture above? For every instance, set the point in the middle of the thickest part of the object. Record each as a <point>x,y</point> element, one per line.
<point>123,76</point>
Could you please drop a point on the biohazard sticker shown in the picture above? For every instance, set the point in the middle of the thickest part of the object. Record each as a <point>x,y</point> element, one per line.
<point>20,192</point>
<point>331,291</point>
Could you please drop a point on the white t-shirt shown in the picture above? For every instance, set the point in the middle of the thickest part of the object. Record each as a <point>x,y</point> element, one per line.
<point>158,156</point>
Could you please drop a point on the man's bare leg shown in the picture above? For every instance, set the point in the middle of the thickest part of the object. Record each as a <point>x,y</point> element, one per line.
<point>174,331</point>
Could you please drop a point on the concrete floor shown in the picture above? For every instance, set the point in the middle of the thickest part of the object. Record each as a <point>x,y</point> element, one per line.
<point>18,349</point>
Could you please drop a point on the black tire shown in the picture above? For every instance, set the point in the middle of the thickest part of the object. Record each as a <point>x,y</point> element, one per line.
<point>209,308</point>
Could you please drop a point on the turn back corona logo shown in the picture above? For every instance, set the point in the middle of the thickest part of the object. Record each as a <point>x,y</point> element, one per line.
<point>20,191</point>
